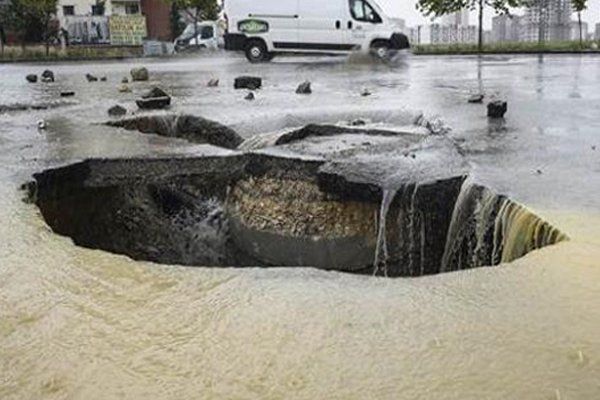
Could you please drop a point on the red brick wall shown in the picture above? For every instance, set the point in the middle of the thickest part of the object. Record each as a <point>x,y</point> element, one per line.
<point>157,18</point>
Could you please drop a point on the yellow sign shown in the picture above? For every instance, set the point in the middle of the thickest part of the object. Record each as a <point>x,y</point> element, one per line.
<point>127,30</point>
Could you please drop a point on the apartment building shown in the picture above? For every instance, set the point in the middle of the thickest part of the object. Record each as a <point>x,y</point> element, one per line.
<point>548,21</point>
<point>109,22</point>
<point>68,8</point>
<point>443,34</point>
<point>507,28</point>
<point>574,36</point>
<point>457,18</point>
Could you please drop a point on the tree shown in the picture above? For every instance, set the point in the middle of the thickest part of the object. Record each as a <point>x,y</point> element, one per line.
<point>2,39</point>
<point>175,22</point>
<point>438,8</point>
<point>2,29</point>
<point>44,11</point>
<point>197,10</point>
<point>33,19</point>
<point>15,18</point>
<point>579,6</point>
<point>542,9</point>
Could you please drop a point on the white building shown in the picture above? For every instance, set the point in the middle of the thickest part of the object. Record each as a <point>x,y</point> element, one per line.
<point>91,7</point>
<point>443,34</point>
<point>452,29</point>
<point>119,22</point>
<point>547,21</point>
<point>457,18</point>
<point>575,30</point>
<point>506,28</point>
<point>399,23</point>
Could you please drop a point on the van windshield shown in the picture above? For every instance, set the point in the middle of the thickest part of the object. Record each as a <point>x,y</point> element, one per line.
<point>189,31</point>
<point>202,30</point>
<point>207,32</point>
<point>362,11</point>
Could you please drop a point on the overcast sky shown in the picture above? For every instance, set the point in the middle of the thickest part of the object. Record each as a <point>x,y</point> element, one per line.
<point>406,9</point>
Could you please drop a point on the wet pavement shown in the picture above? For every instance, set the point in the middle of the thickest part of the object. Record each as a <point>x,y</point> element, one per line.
<point>551,126</point>
<point>81,324</point>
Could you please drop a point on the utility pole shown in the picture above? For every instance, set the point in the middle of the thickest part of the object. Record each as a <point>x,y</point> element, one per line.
<point>2,32</point>
<point>542,11</point>
<point>480,44</point>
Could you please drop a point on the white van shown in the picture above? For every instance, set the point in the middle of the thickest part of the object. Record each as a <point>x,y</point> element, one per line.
<point>263,28</point>
<point>206,35</point>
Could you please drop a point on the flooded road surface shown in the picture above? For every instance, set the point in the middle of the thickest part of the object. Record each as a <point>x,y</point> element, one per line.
<point>83,324</point>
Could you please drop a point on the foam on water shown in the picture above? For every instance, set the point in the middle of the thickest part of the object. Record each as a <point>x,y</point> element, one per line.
<point>261,123</point>
<point>87,325</point>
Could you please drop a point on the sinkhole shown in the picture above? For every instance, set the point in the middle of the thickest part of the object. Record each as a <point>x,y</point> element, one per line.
<point>279,209</point>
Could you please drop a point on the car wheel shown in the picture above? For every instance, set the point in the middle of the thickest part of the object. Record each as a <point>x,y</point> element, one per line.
<point>381,50</point>
<point>256,52</point>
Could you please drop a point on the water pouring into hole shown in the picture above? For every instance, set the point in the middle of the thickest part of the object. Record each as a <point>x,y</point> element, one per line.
<point>263,210</point>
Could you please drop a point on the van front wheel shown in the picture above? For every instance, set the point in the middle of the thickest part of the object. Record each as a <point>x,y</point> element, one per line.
<point>381,49</point>
<point>257,52</point>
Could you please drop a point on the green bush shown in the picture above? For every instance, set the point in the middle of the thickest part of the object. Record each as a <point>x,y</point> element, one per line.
<point>38,53</point>
<point>495,48</point>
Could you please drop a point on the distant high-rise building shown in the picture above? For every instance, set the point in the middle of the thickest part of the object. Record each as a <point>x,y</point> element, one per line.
<point>443,34</point>
<point>597,32</point>
<point>506,28</point>
<point>575,30</point>
<point>400,23</point>
<point>457,18</point>
<point>547,21</point>
<point>487,36</point>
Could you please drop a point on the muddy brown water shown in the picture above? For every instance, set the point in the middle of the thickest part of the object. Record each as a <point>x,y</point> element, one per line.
<point>83,324</point>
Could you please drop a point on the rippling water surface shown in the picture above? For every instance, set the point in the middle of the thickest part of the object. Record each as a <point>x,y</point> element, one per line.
<point>83,324</point>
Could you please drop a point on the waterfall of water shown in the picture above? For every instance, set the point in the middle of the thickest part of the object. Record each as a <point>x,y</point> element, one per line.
<point>457,223</point>
<point>489,229</point>
<point>412,222</point>
<point>261,141</point>
<point>173,126</point>
<point>381,252</point>
<point>411,231</point>
<point>201,232</point>
<point>522,232</point>
<point>166,125</point>
<point>483,215</point>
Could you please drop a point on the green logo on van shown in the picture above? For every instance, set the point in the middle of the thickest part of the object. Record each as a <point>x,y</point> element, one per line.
<point>253,26</point>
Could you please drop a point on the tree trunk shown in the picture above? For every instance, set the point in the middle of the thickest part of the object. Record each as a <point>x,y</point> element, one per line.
<point>196,18</point>
<point>541,30</point>
<point>580,30</point>
<point>2,35</point>
<point>47,37</point>
<point>480,44</point>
